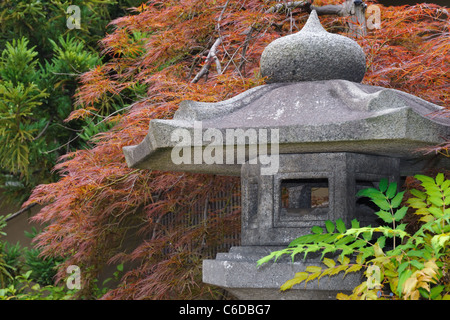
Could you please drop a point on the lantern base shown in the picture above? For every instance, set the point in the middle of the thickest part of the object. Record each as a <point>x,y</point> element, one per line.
<point>238,273</point>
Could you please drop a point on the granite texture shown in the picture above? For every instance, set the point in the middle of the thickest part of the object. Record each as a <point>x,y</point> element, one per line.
<point>237,271</point>
<point>266,222</point>
<point>313,54</point>
<point>311,116</point>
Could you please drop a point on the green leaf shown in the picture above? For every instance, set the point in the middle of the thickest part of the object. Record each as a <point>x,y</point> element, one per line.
<point>392,190</point>
<point>366,252</point>
<point>340,226</point>
<point>436,291</point>
<point>397,200</point>
<point>439,179</point>
<point>416,203</point>
<point>447,191</point>
<point>436,212</point>
<point>381,242</point>
<point>345,240</point>
<point>424,178</point>
<point>445,184</point>
<point>403,266</point>
<point>346,250</point>
<point>308,238</point>
<point>424,293</point>
<point>436,200</point>
<point>390,273</point>
<point>330,226</point>
<point>327,249</point>
<point>296,251</point>
<point>417,264</point>
<point>419,194</point>
<point>383,184</point>
<point>266,259</point>
<point>439,241</point>
<point>367,235</point>
<point>311,248</point>
<point>382,204</point>
<point>27,274</point>
<point>105,282</point>
<point>447,200</point>
<point>432,189</point>
<point>327,237</point>
<point>355,224</point>
<point>371,193</point>
<point>317,230</point>
<point>358,243</point>
<point>415,253</point>
<point>385,216</point>
<point>400,213</point>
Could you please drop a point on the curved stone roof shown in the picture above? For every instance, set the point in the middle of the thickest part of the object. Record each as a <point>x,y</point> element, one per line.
<point>311,116</point>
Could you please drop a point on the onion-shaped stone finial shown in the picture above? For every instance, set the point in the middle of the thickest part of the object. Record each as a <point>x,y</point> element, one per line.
<point>313,54</point>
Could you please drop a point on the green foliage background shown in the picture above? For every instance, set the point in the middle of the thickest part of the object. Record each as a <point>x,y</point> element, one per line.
<point>40,62</point>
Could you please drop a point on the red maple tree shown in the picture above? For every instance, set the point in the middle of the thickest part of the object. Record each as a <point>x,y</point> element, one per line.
<point>156,56</point>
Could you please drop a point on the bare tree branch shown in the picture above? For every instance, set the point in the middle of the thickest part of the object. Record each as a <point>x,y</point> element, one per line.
<point>12,216</point>
<point>212,56</point>
<point>244,49</point>
<point>44,129</point>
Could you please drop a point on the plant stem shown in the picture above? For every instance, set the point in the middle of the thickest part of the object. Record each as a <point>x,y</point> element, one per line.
<point>393,220</point>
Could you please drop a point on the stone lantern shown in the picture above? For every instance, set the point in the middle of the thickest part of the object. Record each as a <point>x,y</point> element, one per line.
<point>303,144</point>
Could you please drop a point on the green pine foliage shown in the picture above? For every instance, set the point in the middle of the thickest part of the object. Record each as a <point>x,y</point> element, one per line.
<point>41,60</point>
<point>414,266</point>
<point>41,20</point>
<point>35,99</point>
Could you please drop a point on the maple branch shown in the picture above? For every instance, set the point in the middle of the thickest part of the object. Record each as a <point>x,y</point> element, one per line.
<point>221,13</point>
<point>44,129</point>
<point>12,216</point>
<point>209,59</point>
<point>244,49</point>
<point>212,52</point>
